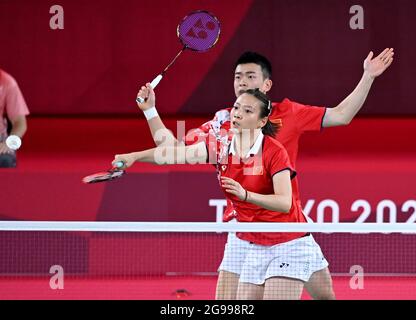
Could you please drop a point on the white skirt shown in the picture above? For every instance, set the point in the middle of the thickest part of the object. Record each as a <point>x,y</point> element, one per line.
<point>297,259</point>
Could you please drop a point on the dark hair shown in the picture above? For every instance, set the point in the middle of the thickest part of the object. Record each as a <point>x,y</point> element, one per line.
<point>270,129</point>
<point>254,57</point>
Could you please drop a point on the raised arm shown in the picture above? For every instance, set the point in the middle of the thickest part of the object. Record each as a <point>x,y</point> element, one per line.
<point>160,134</point>
<point>343,113</point>
<point>280,201</point>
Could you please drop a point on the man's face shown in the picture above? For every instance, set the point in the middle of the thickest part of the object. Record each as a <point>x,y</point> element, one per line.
<point>249,76</point>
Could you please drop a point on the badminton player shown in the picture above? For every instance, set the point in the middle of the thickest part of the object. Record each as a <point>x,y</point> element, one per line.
<point>254,71</point>
<point>255,174</point>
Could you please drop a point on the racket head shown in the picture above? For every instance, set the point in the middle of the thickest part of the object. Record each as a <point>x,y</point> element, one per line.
<point>199,31</point>
<point>103,176</point>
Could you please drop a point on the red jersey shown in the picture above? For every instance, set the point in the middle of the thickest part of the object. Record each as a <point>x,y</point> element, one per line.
<point>12,103</point>
<point>266,158</point>
<point>292,119</point>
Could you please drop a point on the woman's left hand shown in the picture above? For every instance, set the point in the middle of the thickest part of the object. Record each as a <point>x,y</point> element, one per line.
<point>233,187</point>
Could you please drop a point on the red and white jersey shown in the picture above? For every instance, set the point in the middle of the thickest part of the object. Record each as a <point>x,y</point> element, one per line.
<point>12,103</point>
<point>292,118</point>
<point>255,173</point>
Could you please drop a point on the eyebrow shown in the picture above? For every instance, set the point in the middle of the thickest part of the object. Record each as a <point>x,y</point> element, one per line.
<point>245,106</point>
<point>248,72</point>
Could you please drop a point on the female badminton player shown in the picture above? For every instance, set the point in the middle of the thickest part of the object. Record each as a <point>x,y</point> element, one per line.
<point>255,174</point>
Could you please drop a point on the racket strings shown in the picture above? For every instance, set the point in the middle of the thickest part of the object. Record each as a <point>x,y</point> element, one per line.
<point>104,176</point>
<point>199,31</point>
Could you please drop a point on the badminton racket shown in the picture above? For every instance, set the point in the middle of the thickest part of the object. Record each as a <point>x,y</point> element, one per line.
<point>199,31</point>
<point>114,173</point>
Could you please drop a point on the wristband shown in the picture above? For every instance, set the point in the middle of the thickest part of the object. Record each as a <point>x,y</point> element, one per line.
<point>150,113</point>
<point>13,142</point>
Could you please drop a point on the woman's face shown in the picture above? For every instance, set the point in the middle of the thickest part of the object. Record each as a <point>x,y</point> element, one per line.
<point>245,114</point>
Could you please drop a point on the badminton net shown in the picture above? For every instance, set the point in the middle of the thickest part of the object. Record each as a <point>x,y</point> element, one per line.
<point>134,260</point>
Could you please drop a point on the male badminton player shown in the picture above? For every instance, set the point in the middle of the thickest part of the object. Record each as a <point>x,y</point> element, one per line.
<point>255,71</point>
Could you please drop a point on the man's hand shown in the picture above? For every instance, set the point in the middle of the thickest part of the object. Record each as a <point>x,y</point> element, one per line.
<point>375,67</point>
<point>4,149</point>
<point>147,93</point>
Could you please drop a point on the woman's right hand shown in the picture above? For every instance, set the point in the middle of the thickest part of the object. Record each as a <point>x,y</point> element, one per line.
<point>146,93</point>
<point>128,159</point>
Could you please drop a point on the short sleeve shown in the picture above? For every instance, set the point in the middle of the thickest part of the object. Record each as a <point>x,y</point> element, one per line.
<point>217,123</point>
<point>308,118</point>
<point>277,159</point>
<point>197,135</point>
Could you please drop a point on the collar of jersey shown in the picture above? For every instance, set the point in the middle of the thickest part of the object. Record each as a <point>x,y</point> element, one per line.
<point>254,149</point>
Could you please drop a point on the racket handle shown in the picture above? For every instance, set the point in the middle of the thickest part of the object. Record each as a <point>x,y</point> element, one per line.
<point>119,164</point>
<point>156,81</point>
<point>153,84</point>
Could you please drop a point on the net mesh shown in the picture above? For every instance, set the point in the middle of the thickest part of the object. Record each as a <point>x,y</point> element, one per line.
<point>183,262</point>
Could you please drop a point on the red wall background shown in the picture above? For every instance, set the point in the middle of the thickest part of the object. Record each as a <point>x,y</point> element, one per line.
<point>108,48</point>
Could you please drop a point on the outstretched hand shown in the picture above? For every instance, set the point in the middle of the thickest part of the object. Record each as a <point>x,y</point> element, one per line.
<point>375,67</point>
<point>128,159</point>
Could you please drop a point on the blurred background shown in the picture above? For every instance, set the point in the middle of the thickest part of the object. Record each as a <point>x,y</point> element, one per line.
<point>80,85</point>
<point>108,48</point>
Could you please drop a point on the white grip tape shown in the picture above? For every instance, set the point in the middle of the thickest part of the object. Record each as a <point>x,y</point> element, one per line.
<point>153,84</point>
<point>156,81</point>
